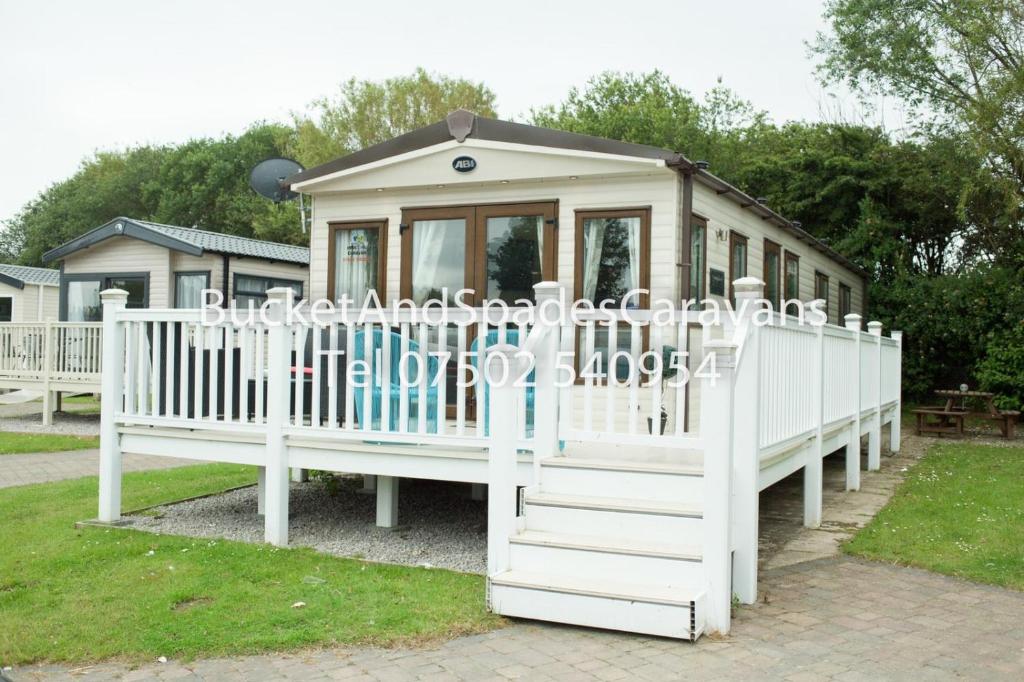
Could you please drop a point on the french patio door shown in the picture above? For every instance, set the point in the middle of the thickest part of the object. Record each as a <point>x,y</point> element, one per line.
<point>497,251</point>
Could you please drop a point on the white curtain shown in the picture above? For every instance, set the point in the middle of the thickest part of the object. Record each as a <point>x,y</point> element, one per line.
<point>540,244</point>
<point>593,242</point>
<point>188,291</point>
<point>633,243</point>
<point>355,263</point>
<point>427,240</point>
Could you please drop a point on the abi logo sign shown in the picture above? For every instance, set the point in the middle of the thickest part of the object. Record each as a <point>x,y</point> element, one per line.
<point>464,164</point>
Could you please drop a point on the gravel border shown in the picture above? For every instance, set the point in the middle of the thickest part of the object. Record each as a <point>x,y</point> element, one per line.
<point>441,527</point>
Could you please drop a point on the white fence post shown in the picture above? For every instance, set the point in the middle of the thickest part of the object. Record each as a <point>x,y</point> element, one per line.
<point>897,418</point>
<point>716,430</point>
<point>545,404</point>
<point>813,467</point>
<point>48,367</point>
<point>853,447</point>
<point>875,432</point>
<point>112,394</point>
<point>275,529</point>
<point>746,443</point>
<point>501,368</point>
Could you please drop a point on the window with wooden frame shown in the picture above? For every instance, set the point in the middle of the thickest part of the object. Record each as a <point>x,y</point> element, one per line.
<point>737,260</point>
<point>497,250</point>
<point>773,273</point>
<point>821,289</point>
<point>698,259</point>
<point>845,302</point>
<point>792,282</point>
<point>357,259</point>
<point>613,256</point>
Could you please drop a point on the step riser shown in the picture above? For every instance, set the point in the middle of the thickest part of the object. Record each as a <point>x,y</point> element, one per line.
<point>585,564</point>
<point>639,527</point>
<point>623,484</point>
<point>599,612</point>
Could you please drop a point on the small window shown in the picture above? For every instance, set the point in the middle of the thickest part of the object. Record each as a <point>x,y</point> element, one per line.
<point>737,260</point>
<point>188,288</point>
<point>253,288</point>
<point>845,302</point>
<point>613,256</point>
<point>6,308</point>
<point>792,281</point>
<point>698,260</point>
<point>821,289</point>
<point>356,258</point>
<point>772,272</point>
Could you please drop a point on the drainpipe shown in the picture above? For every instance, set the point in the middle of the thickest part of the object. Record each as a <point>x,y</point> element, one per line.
<point>685,265</point>
<point>226,275</point>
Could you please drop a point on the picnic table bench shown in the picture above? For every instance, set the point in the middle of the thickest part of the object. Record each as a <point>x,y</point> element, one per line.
<point>1006,420</point>
<point>943,420</point>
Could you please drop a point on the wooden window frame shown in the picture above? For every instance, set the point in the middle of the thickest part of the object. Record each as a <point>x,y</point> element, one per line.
<point>790,256</point>
<point>849,299</point>
<point>820,276</point>
<point>644,213</point>
<point>776,248</point>
<point>701,295</point>
<point>476,216</point>
<point>186,273</point>
<point>734,239</point>
<point>379,224</point>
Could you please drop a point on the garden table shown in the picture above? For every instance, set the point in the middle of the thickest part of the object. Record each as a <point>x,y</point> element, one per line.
<point>1005,419</point>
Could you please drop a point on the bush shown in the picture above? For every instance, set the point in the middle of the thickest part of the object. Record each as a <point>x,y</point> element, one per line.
<point>1002,369</point>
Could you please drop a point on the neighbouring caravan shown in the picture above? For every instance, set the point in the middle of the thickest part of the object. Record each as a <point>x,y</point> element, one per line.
<point>28,294</point>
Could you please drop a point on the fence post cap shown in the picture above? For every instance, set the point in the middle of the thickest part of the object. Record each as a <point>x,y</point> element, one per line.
<point>896,335</point>
<point>114,296</point>
<point>724,351</point>
<point>852,321</point>
<point>875,327</point>
<point>748,285</point>
<point>547,289</point>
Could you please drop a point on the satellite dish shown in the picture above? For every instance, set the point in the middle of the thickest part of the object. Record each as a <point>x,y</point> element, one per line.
<point>266,178</point>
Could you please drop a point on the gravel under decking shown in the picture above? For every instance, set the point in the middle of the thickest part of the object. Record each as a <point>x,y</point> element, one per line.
<point>440,525</point>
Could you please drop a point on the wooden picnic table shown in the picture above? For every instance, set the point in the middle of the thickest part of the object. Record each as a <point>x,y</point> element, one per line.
<point>1005,419</point>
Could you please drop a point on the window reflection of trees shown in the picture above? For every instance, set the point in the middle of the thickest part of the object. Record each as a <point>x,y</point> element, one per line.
<point>613,271</point>
<point>513,260</point>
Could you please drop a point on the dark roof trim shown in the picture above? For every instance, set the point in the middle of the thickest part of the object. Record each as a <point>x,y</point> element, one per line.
<point>462,124</point>
<point>120,227</point>
<point>458,123</point>
<point>12,281</point>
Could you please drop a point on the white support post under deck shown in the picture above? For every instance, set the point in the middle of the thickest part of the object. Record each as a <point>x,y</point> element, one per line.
<point>261,490</point>
<point>387,501</point>
<point>746,441</point>
<point>716,430</point>
<point>275,520</point>
<point>875,432</point>
<point>114,300</point>
<point>813,468</point>
<point>853,447</point>
<point>897,418</point>
<point>501,460</point>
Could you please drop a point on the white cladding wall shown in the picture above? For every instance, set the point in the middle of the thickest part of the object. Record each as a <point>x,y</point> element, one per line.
<point>726,215</point>
<point>657,190</point>
<point>123,255</point>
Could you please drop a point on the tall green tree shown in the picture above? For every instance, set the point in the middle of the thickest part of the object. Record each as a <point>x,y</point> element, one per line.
<point>366,112</point>
<point>960,65</point>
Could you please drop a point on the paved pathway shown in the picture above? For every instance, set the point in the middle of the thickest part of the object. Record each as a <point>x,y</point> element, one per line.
<point>835,618</point>
<point>818,618</point>
<point>41,467</point>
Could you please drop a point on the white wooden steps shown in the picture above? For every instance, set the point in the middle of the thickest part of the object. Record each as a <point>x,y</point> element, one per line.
<point>611,544</point>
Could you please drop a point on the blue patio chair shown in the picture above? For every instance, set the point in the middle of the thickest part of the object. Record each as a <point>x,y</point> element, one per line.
<point>512,338</point>
<point>394,389</point>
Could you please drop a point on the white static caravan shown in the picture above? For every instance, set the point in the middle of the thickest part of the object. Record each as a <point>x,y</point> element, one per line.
<point>598,514</point>
<point>167,266</point>
<point>28,294</point>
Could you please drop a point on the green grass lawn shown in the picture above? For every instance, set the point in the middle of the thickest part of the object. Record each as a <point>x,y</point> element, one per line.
<point>13,443</point>
<point>81,404</point>
<point>94,593</point>
<point>960,511</point>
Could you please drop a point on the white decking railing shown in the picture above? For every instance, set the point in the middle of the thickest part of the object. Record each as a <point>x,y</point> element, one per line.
<point>337,395</point>
<point>51,356</point>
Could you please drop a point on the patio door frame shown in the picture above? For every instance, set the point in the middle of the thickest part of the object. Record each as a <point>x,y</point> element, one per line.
<point>476,215</point>
<point>475,274</point>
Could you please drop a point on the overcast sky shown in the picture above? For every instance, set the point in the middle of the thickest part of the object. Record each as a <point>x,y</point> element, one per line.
<point>92,75</point>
